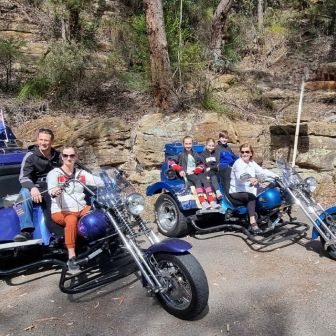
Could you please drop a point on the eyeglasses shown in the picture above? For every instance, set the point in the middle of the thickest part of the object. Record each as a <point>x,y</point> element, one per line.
<point>245,152</point>
<point>71,156</point>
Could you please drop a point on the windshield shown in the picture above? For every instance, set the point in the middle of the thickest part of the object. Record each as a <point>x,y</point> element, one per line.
<point>289,175</point>
<point>114,187</point>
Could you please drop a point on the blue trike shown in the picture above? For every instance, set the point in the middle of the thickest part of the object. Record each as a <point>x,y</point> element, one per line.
<point>178,211</point>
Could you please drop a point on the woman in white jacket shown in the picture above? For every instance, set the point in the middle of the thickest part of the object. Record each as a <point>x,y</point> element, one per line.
<point>68,203</point>
<point>244,182</point>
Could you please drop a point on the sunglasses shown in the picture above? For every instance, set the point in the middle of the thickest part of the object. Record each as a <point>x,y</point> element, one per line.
<point>71,156</point>
<point>245,152</point>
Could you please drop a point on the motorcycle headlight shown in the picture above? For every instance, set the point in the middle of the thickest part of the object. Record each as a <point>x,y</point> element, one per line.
<point>135,203</point>
<point>310,184</point>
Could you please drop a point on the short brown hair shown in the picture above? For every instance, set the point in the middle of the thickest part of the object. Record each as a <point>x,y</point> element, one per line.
<point>187,137</point>
<point>46,131</point>
<point>223,134</point>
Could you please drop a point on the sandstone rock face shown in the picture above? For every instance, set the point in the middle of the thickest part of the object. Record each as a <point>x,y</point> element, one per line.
<point>113,142</point>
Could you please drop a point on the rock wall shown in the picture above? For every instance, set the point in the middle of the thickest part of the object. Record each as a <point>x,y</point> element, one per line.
<point>37,28</point>
<point>113,142</point>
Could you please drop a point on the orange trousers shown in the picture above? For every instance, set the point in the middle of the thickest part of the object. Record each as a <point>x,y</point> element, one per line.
<point>69,219</point>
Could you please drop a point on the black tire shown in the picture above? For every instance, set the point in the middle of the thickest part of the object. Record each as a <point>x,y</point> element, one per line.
<point>188,291</point>
<point>169,218</point>
<point>331,250</point>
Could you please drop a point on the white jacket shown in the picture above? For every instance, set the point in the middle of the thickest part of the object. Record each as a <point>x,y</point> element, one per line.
<point>73,197</point>
<point>253,169</point>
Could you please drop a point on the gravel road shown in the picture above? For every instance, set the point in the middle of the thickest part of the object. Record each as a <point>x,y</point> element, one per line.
<point>286,290</point>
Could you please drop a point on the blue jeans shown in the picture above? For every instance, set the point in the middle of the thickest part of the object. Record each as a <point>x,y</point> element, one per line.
<point>26,220</point>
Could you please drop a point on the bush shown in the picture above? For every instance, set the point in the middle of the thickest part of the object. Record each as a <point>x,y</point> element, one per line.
<point>64,68</point>
<point>136,81</point>
<point>63,72</point>
<point>210,102</point>
<point>35,88</point>
<point>10,51</point>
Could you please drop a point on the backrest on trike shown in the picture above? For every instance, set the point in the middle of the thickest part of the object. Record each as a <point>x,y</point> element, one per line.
<point>10,165</point>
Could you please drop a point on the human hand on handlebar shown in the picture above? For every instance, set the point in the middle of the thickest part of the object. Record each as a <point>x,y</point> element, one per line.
<point>253,181</point>
<point>182,173</point>
<point>36,195</point>
<point>56,191</point>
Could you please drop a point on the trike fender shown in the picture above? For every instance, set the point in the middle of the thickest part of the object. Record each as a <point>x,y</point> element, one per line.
<point>328,211</point>
<point>171,245</point>
<point>10,225</point>
<point>172,187</point>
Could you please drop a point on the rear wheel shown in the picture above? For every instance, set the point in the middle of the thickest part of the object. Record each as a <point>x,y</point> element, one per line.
<point>331,250</point>
<point>169,218</point>
<point>186,287</point>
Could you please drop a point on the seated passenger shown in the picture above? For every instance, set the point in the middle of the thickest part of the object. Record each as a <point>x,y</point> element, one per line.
<point>189,165</point>
<point>243,190</point>
<point>225,158</point>
<point>68,203</point>
<point>211,166</point>
<point>35,166</point>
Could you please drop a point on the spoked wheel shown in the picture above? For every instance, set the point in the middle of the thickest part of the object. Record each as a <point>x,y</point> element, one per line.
<point>331,250</point>
<point>186,287</point>
<point>170,220</point>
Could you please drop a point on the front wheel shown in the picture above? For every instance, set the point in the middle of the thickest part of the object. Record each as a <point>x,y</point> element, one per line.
<point>331,250</point>
<point>186,287</point>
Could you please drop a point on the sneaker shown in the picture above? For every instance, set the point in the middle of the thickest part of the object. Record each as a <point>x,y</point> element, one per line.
<point>214,205</point>
<point>219,195</point>
<point>206,206</point>
<point>73,267</point>
<point>23,236</point>
<point>255,229</point>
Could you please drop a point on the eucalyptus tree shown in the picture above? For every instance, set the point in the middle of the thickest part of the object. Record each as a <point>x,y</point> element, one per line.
<point>218,28</point>
<point>162,79</point>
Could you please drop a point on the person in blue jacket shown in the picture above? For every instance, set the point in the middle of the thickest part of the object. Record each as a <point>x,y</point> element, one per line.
<point>225,158</point>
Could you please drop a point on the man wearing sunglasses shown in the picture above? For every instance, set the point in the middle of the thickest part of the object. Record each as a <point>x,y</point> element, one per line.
<point>36,164</point>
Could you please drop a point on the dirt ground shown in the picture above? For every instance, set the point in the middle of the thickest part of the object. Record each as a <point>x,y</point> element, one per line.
<point>284,290</point>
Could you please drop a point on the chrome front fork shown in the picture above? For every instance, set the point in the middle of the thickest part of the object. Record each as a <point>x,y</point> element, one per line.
<point>138,257</point>
<point>313,211</point>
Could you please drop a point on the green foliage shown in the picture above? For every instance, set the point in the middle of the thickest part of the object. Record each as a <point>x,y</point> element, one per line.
<point>135,81</point>
<point>35,88</point>
<point>61,73</point>
<point>140,50</point>
<point>64,65</point>
<point>10,51</point>
<point>88,34</point>
<point>322,16</point>
<point>236,43</point>
<point>192,50</point>
<point>210,102</point>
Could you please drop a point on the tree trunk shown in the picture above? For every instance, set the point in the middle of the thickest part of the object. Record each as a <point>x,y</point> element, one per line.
<point>218,28</point>
<point>165,97</point>
<point>260,15</point>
